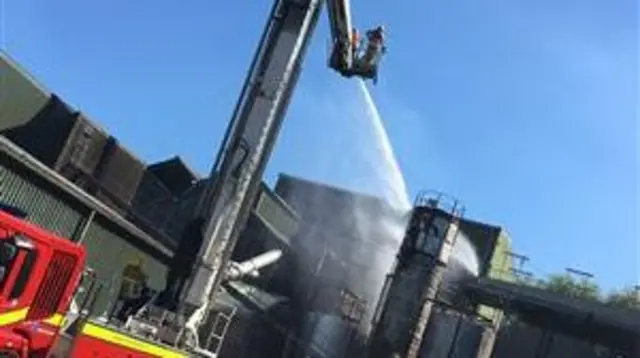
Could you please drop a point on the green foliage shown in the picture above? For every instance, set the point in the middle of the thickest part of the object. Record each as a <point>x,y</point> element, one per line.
<point>626,298</point>
<point>571,286</point>
<point>583,288</point>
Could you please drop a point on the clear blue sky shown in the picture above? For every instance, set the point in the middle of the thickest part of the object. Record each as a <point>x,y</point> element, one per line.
<point>527,110</point>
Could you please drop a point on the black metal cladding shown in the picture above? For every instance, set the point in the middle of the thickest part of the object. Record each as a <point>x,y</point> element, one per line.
<point>119,174</point>
<point>82,152</point>
<point>483,237</point>
<point>165,198</point>
<point>54,284</point>
<point>345,223</point>
<point>174,175</point>
<point>151,191</point>
<point>46,134</point>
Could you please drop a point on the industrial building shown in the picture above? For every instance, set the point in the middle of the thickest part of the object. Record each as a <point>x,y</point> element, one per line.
<point>73,178</point>
<point>324,298</point>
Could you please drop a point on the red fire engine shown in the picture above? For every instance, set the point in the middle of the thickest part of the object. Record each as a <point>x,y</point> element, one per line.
<point>39,274</point>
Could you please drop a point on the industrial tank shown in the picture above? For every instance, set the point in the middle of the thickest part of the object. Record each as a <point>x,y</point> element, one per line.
<point>409,293</point>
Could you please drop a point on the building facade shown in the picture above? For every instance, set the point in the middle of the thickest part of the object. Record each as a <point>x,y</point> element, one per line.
<point>345,245</point>
<point>73,178</point>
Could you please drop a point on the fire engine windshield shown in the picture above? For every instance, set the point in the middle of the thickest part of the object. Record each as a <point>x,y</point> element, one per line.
<point>8,252</point>
<point>13,249</point>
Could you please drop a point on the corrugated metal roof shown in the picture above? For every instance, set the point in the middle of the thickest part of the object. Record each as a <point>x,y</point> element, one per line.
<point>21,96</point>
<point>285,179</point>
<point>43,207</point>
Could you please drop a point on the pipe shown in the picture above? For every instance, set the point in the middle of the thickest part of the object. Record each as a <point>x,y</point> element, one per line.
<point>237,270</point>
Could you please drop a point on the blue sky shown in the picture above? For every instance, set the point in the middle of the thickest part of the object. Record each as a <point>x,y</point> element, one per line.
<point>526,110</point>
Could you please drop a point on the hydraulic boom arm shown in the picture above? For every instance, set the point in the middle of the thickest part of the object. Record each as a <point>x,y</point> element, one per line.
<point>202,259</point>
<point>342,52</point>
<point>249,141</point>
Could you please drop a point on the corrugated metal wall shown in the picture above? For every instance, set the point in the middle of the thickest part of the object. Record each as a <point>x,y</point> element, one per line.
<point>109,249</point>
<point>44,206</point>
<point>38,114</point>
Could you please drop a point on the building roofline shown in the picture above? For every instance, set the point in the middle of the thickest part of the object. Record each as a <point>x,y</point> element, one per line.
<point>186,166</point>
<point>279,200</point>
<point>481,223</point>
<point>24,72</point>
<point>73,109</point>
<point>335,188</point>
<point>9,148</point>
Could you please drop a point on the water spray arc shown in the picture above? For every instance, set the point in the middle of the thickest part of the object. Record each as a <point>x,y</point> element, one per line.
<point>395,187</point>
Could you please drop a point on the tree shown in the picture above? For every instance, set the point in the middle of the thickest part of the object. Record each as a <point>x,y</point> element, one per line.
<point>584,288</point>
<point>571,286</point>
<point>626,298</point>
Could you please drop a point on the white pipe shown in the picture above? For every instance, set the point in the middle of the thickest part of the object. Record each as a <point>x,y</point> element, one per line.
<point>239,269</point>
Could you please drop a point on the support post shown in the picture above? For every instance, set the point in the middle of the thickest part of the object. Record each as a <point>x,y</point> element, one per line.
<point>81,233</point>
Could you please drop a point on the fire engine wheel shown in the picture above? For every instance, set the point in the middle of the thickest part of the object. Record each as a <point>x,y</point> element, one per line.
<point>9,354</point>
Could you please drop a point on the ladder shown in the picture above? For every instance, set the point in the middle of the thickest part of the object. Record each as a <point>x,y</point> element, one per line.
<point>219,329</point>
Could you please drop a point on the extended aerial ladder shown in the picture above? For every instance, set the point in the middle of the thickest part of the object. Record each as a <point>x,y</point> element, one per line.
<point>202,261</point>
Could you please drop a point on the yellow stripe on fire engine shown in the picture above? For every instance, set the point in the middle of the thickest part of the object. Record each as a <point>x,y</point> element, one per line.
<point>99,332</point>
<point>14,316</point>
<point>112,336</point>
<point>56,320</point>
<point>20,314</point>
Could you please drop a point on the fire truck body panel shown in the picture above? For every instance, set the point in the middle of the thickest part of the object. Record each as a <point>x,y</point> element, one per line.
<point>101,341</point>
<point>39,273</point>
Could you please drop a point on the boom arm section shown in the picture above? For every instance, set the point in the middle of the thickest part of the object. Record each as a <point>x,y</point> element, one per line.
<point>250,138</point>
<point>342,51</point>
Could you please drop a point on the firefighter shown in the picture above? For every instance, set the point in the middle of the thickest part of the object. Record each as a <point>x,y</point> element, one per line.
<point>375,46</point>
<point>132,285</point>
<point>355,42</point>
<point>366,66</point>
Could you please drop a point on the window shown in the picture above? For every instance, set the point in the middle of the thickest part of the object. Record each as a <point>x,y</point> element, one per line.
<point>23,276</point>
<point>10,249</point>
<point>8,254</point>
